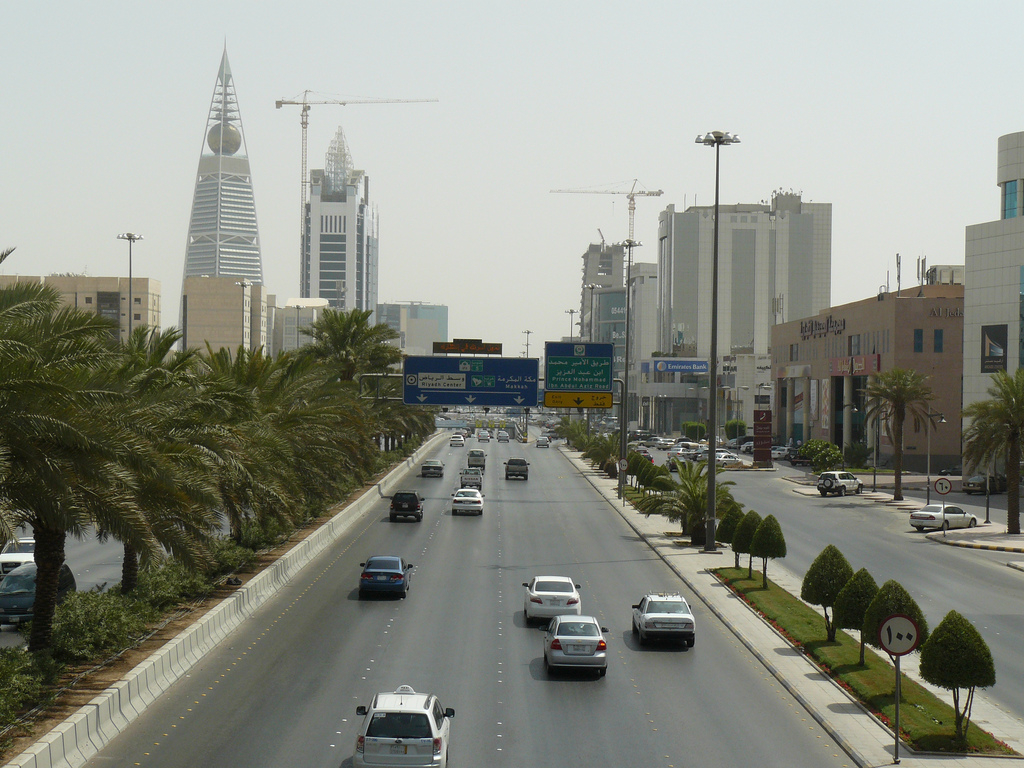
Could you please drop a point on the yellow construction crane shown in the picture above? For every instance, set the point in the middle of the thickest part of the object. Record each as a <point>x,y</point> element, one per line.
<point>303,100</point>
<point>632,194</point>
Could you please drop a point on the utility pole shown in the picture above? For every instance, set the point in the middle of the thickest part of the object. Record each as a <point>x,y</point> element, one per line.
<point>527,342</point>
<point>572,326</point>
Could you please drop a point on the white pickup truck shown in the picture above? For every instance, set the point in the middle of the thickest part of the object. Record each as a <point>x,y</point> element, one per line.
<point>471,477</point>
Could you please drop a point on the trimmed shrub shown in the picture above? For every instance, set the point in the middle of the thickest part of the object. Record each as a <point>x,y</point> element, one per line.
<point>742,537</point>
<point>891,598</point>
<point>768,543</point>
<point>827,575</point>
<point>955,656</point>
<point>726,529</point>
<point>22,681</point>
<point>87,624</point>
<point>166,585</point>
<point>852,603</point>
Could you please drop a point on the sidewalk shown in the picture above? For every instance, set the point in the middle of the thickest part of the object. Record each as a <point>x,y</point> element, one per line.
<point>857,732</point>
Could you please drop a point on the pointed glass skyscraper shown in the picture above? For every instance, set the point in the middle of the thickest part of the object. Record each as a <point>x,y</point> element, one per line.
<point>223,240</point>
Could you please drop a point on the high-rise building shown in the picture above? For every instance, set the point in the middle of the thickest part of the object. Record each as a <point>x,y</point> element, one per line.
<point>339,249</point>
<point>223,313</point>
<point>418,325</point>
<point>223,240</point>
<point>994,281</point>
<point>603,267</point>
<point>775,264</point>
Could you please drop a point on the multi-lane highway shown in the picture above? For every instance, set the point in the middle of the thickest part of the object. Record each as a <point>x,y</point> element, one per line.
<point>282,690</point>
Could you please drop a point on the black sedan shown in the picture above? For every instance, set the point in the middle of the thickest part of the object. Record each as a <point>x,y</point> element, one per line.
<point>385,574</point>
<point>978,484</point>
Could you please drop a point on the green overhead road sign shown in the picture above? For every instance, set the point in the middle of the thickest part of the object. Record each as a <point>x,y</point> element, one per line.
<point>577,367</point>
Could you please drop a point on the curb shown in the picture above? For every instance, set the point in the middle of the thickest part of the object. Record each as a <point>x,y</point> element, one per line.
<point>83,734</point>
<point>818,717</point>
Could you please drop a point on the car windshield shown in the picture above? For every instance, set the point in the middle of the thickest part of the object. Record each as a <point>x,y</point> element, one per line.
<point>383,564</point>
<point>577,629</point>
<point>399,725</point>
<point>18,548</point>
<point>18,583</point>
<point>553,586</point>
<point>666,606</point>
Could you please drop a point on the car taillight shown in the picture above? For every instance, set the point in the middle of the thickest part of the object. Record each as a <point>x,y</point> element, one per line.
<point>536,600</point>
<point>572,601</point>
<point>360,743</point>
<point>602,645</point>
<point>555,645</point>
<point>437,745</point>
<point>397,577</point>
<point>366,577</point>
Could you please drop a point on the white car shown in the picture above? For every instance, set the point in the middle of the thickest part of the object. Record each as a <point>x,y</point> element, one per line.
<point>543,442</point>
<point>942,517</point>
<point>502,436</point>
<point>483,436</point>
<point>779,452</point>
<point>404,728</point>
<point>577,642</point>
<point>457,441</point>
<point>16,553</point>
<point>727,459</point>
<point>664,443</point>
<point>467,501</point>
<point>663,615</point>
<point>550,596</point>
<point>839,483</point>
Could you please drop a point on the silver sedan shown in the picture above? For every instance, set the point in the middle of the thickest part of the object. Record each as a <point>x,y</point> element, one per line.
<point>576,641</point>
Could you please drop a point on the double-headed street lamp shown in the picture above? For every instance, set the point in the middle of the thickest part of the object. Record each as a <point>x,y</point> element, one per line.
<point>629,245</point>
<point>714,139</point>
<point>928,433</point>
<point>131,237</point>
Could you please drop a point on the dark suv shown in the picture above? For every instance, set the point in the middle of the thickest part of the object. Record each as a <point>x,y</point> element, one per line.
<point>517,468</point>
<point>406,504</point>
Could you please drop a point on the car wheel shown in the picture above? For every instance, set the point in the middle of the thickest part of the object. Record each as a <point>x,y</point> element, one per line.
<point>362,595</point>
<point>971,523</point>
<point>393,518</point>
<point>919,527</point>
<point>635,630</point>
<point>842,490</point>
<point>419,518</point>
<point>640,638</point>
<point>602,671</point>
<point>689,643</point>
<point>859,488</point>
<point>823,493</point>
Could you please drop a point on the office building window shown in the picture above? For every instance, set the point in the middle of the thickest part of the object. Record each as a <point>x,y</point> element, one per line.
<point>919,339</point>
<point>938,340</point>
<point>1010,199</point>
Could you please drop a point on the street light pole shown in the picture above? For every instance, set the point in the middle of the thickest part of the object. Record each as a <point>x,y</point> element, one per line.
<point>928,434</point>
<point>572,326</point>
<point>527,342</point>
<point>629,244</point>
<point>713,139</point>
<point>131,237</point>
<point>244,284</point>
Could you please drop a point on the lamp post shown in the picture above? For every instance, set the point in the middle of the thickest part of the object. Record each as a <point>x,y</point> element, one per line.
<point>629,245</point>
<point>131,237</point>
<point>572,326</point>
<point>244,284</point>
<point>527,342</point>
<point>588,319</point>
<point>928,440</point>
<point>714,139</point>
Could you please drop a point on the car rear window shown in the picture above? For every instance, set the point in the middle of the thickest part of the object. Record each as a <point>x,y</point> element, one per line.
<point>577,629</point>
<point>553,586</point>
<point>399,725</point>
<point>665,606</point>
<point>382,564</point>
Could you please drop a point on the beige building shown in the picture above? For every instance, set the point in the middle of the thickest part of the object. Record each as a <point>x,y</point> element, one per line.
<point>224,313</point>
<point>822,364</point>
<point>288,321</point>
<point>106,296</point>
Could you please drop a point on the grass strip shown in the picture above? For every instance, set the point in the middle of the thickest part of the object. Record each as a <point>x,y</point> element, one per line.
<point>926,722</point>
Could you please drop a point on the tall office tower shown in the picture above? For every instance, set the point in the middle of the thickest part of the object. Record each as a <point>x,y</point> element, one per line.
<point>603,267</point>
<point>774,262</point>
<point>339,252</point>
<point>223,240</point>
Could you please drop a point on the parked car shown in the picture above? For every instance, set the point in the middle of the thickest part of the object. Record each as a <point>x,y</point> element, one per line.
<point>977,484</point>
<point>795,459</point>
<point>432,468</point>
<point>549,596</point>
<point>404,728</point>
<point>543,442</point>
<point>18,592</point>
<point>664,443</point>
<point>942,517</point>
<point>839,483</point>
<point>406,504</point>
<point>645,453</point>
<point>779,452</point>
<point>663,615</point>
<point>727,459</point>
<point>17,553</point>
<point>956,471</point>
<point>577,642</point>
<point>467,500</point>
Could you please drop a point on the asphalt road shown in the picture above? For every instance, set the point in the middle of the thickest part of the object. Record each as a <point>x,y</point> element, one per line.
<point>283,688</point>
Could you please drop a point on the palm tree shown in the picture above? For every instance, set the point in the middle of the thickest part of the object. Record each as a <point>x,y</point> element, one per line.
<point>894,395</point>
<point>686,501</point>
<point>349,345</point>
<point>996,430</point>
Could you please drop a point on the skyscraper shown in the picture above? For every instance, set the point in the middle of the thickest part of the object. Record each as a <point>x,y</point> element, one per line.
<point>339,250</point>
<point>223,240</point>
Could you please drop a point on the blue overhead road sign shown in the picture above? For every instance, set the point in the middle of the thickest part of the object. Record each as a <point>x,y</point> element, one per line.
<point>577,367</point>
<point>476,381</point>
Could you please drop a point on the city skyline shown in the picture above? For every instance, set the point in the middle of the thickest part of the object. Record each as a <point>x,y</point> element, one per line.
<point>862,107</point>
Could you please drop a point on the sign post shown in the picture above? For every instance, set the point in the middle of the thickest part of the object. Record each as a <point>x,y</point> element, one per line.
<point>942,487</point>
<point>898,635</point>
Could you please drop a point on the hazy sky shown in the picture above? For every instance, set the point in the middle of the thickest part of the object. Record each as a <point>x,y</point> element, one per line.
<point>890,111</point>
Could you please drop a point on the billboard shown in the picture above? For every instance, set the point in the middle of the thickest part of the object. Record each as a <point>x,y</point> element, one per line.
<point>993,348</point>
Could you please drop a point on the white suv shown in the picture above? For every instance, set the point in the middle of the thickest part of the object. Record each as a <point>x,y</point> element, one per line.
<point>839,483</point>
<point>403,728</point>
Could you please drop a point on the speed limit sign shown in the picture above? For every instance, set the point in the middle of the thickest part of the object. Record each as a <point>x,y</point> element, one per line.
<point>943,486</point>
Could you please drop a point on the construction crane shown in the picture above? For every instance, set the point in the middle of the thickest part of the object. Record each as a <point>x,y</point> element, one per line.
<point>632,194</point>
<point>303,100</point>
